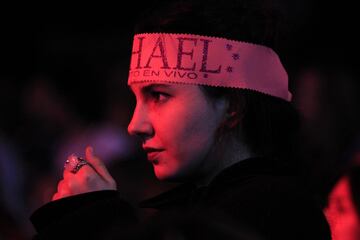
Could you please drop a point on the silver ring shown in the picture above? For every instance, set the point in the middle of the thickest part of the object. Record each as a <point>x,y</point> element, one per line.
<point>74,163</point>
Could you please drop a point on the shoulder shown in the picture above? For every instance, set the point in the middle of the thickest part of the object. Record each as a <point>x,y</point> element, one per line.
<point>277,205</point>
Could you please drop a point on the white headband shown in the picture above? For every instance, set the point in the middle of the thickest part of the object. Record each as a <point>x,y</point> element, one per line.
<point>212,61</point>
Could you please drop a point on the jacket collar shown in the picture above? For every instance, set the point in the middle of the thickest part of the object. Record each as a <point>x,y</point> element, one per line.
<point>240,171</point>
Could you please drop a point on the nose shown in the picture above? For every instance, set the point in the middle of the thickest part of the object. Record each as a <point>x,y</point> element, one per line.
<point>140,124</point>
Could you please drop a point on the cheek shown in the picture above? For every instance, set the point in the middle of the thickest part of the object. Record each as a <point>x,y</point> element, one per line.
<point>186,134</point>
<point>346,226</point>
<point>343,223</point>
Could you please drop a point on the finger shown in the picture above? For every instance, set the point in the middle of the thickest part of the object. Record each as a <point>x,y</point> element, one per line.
<point>64,193</point>
<point>61,192</point>
<point>72,185</point>
<point>55,197</point>
<point>73,163</point>
<point>88,168</point>
<point>60,185</point>
<point>66,174</point>
<point>67,186</point>
<point>98,165</point>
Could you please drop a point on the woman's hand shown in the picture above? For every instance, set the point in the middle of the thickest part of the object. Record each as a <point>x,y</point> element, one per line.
<point>91,177</point>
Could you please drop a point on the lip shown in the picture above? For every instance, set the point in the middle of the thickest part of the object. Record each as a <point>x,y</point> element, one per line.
<point>153,156</point>
<point>152,153</point>
<point>152,149</point>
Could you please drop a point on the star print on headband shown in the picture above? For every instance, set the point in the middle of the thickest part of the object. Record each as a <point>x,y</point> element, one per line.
<point>211,61</point>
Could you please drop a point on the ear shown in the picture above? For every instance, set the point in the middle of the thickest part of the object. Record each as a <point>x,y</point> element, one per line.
<point>235,111</point>
<point>232,119</point>
<point>222,107</point>
<point>229,117</point>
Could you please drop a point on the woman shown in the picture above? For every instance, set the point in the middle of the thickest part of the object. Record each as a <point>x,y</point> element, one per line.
<point>212,112</point>
<point>343,206</point>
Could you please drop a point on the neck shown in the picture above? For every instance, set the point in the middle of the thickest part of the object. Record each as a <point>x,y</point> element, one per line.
<point>225,154</point>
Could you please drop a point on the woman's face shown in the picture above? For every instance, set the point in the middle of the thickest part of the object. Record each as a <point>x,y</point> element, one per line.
<point>341,212</point>
<point>177,124</point>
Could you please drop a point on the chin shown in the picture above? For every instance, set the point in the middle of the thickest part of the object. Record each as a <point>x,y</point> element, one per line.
<point>166,175</point>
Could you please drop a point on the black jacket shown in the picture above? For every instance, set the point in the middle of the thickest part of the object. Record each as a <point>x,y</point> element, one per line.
<point>252,195</point>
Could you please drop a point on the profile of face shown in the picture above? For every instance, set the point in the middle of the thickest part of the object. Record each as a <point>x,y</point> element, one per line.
<point>341,213</point>
<point>177,124</point>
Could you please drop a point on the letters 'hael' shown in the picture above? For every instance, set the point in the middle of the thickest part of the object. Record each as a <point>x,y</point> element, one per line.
<point>212,61</point>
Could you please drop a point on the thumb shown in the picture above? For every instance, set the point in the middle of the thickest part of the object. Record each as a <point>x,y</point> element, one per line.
<point>98,165</point>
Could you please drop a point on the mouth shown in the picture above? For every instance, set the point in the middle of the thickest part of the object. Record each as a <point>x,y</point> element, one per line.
<point>153,154</point>
<point>153,157</point>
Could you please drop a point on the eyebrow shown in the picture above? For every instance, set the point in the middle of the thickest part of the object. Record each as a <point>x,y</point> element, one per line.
<point>150,87</point>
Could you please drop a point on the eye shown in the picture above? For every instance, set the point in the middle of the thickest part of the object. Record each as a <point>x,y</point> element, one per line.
<point>340,206</point>
<point>158,96</point>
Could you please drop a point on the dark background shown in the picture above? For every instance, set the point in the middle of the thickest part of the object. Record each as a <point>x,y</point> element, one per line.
<point>64,71</point>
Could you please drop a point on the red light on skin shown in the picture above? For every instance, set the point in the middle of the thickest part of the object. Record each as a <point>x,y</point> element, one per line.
<point>153,155</point>
<point>341,213</point>
<point>180,123</point>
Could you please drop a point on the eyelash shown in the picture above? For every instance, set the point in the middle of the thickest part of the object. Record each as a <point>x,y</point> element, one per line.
<point>158,96</point>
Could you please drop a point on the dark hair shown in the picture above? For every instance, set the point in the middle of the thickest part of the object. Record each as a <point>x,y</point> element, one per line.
<point>255,21</point>
<point>268,125</point>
